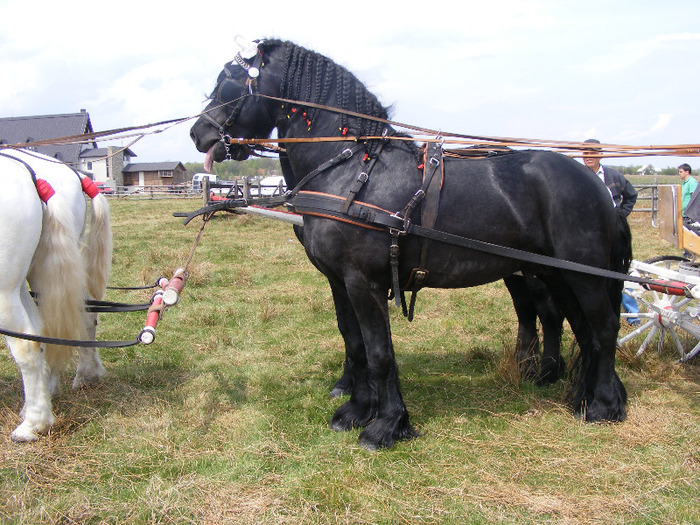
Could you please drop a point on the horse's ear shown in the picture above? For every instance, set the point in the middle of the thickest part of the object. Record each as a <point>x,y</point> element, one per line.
<point>246,48</point>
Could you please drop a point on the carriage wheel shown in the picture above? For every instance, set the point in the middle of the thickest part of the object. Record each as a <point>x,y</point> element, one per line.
<point>670,317</point>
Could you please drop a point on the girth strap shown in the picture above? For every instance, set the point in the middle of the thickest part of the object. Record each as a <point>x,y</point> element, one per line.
<point>341,157</point>
<point>428,196</point>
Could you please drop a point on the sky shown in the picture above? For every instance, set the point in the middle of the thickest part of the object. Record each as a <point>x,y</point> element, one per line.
<point>624,72</point>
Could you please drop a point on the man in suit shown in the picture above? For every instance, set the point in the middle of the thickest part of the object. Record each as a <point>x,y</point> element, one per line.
<point>623,193</point>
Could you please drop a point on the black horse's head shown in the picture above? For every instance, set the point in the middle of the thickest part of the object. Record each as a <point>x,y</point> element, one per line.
<point>275,68</point>
<point>234,110</point>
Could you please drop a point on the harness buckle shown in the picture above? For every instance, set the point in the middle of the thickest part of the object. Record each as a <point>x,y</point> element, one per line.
<point>406,223</point>
<point>394,250</point>
<point>362,178</point>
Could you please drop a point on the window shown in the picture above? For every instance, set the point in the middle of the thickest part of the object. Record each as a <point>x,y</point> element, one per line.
<point>165,174</point>
<point>89,165</point>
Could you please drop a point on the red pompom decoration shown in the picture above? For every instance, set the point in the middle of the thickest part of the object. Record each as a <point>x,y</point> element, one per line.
<point>89,187</point>
<point>44,189</point>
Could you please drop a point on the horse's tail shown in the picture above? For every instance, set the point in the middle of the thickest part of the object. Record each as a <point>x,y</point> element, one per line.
<point>97,250</point>
<point>620,260</point>
<point>58,278</point>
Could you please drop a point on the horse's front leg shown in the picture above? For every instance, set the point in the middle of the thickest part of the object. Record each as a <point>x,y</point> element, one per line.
<point>343,386</point>
<point>391,422</point>
<point>361,408</point>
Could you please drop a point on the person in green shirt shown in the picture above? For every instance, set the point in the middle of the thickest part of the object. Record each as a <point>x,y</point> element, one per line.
<point>688,185</point>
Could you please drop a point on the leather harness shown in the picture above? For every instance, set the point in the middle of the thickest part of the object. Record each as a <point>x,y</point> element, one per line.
<point>373,217</point>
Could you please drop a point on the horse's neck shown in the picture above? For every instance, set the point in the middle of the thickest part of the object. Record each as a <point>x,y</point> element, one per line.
<point>289,179</point>
<point>304,157</point>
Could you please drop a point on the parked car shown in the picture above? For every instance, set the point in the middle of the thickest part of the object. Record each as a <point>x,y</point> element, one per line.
<point>104,188</point>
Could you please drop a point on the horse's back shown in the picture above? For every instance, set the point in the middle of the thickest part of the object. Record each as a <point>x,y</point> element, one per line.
<point>20,222</point>
<point>64,181</point>
<point>543,178</point>
<point>525,199</point>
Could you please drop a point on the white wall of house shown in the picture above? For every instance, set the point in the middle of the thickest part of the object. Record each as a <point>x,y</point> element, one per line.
<point>97,168</point>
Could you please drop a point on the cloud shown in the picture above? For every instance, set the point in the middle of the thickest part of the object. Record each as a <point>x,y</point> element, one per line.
<point>640,133</point>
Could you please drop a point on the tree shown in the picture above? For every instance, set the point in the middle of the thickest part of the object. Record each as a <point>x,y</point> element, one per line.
<point>256,167</point>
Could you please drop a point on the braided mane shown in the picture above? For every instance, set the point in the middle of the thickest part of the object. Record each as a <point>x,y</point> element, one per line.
<point>311,77</point>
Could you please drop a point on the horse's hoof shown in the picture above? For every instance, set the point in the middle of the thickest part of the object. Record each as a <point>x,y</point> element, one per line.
<point>596,413</point>
<point>378,436</point>
<point>338,426</point>
<point>342,387</point>
<point>551,371</point>
<point>23,435</point>
<point>370,445</point>
<point>350,415</point>
<point>85,381</point>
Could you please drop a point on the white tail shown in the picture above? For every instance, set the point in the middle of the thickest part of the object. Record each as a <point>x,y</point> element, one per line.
<point>97,250</point>
<point>58,277</point>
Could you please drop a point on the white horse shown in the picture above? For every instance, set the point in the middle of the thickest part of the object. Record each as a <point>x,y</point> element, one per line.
<point>42,245</point>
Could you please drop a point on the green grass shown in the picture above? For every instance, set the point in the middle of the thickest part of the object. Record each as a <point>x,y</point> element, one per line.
<point>224,418</point>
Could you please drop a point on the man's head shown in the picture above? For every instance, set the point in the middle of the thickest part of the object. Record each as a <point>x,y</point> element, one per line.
<point>591,157</point>
<point>684,171</point>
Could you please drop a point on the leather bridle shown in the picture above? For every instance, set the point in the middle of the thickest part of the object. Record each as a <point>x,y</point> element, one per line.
<point>253,70</point>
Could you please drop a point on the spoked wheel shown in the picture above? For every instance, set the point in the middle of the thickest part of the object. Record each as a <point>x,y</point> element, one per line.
<point>668,316</point>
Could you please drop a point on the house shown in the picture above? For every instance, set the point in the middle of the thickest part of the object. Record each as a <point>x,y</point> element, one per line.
<point>154,174</point>
<point>106,164</point>
<point>647,169</point>
<point>23,130</point>
<point>111,165</point>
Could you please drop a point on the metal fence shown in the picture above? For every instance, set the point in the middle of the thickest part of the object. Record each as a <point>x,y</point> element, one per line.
<point>152,192</point>
<point>232,189</point>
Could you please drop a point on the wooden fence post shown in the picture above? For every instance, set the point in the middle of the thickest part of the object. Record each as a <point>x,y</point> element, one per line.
<point>206,189</point>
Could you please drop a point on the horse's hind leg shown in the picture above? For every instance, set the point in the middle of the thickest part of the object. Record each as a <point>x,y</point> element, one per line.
<point>343,386</point>
<point>533,300</point>
<point>36,413</point>
<point>528,342</point>
<point>597,394</point>
<point>552,364</point>
<point>30,358</point>
<point>89,370</point>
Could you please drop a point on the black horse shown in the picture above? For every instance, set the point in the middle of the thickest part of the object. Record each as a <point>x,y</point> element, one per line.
<point>540,202</point>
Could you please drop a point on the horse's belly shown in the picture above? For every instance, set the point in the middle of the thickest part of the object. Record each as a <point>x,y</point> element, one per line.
<point>469,272</point>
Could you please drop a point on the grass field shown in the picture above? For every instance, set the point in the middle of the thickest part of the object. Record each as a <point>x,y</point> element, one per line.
<point>224,418</point>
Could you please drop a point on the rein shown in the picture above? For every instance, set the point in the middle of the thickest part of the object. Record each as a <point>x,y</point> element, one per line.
<point>69,342</point>
<point>432,135</point>
<point>606,150</point>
